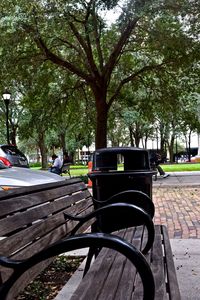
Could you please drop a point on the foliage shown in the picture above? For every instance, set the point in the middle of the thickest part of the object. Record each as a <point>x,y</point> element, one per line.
<point>71,67</point>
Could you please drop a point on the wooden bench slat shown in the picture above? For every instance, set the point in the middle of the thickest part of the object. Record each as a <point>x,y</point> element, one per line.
<point>29,216</point>
<point>111,288</point>
<point>128,278</point>
<point>29,234</point>
<point>95,280</point>
<point>38,188</point>
<point>23,202</point>
<point>170,268</point>
<point>157,265</point>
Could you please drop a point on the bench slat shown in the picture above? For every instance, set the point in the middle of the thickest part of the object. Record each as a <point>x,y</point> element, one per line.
<point>157,265</point>
<point>29,216</point>
<point>38,188</point>
<point>172,279</point>
<point>128,277</point>
<point>95,280</point>
<point>31,233</point>
<point>22,202</point>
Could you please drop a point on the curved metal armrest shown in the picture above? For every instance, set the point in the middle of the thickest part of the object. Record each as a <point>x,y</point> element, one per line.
<point>77,242</point>
<point>135,197</point>
<point>73,218</point>
<point>117,207</point>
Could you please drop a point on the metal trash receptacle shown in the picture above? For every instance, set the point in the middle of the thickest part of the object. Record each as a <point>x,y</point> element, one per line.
<point>119,169</point>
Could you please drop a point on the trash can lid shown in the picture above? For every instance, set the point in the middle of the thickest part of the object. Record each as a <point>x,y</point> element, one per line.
<point>119,150</point>
<point>131,158</point>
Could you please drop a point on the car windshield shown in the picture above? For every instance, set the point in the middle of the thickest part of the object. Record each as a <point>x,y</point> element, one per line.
<point>2,166</point>
<point>12,150</point>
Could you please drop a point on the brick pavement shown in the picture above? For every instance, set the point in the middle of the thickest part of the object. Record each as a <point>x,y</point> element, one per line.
<point>179,209</point>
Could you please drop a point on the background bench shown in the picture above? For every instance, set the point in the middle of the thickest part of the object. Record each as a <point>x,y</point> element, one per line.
<point>33,218</point>
<point>66,169</point>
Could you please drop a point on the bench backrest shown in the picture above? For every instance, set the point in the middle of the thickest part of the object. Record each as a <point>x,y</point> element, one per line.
<point>66,168</point>
<point>32,218</point>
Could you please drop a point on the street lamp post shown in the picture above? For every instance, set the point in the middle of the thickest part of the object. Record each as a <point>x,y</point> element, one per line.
<point>6,98</point>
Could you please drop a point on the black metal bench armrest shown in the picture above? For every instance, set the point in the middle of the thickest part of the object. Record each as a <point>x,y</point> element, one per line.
<point>77,242</point>
<point>111,209</point>
<point>135,197</point>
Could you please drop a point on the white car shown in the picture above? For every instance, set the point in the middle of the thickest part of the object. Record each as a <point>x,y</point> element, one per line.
<point>13,177</point>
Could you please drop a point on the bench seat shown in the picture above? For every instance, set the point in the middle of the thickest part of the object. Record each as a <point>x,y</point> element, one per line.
<point>112,276</point>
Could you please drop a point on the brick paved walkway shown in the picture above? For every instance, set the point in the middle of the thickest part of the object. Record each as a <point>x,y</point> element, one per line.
<point>179,209</point>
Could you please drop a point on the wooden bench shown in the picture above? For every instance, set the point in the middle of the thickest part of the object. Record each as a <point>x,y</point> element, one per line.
<point>66,169</point>
<point>33,218</point>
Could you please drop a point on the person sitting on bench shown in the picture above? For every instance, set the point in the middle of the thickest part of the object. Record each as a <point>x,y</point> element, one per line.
<point>57,165</point>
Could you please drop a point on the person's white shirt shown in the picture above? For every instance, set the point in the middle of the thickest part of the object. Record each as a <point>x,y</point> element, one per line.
<point>57,163</point>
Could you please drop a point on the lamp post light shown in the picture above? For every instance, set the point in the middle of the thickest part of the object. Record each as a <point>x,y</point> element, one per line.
<point>6,98</point>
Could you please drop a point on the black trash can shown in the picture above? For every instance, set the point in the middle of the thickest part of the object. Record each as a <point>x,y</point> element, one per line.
<point>120,169</point>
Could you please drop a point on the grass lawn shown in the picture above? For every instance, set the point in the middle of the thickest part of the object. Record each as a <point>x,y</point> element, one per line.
<point>83,170</point>
<point>181,167</point>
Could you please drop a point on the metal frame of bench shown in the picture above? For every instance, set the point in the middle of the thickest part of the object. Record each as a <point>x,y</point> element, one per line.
<point>77,242</point>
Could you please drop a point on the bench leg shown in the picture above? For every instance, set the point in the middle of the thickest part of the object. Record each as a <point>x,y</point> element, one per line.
<point>93,251</point>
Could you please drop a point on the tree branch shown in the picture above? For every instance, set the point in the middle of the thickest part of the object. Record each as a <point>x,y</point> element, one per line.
<point>59,61</point>
<point>108,68</point>
<point>86,47</point>
<point>133,77</point>
<point>97,40</point>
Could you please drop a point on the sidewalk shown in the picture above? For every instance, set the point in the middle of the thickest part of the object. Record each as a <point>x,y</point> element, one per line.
<point>179,179</point>
<point>177,205</point>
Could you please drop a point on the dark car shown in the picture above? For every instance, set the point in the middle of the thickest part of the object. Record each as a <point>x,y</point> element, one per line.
<point>13,155</point>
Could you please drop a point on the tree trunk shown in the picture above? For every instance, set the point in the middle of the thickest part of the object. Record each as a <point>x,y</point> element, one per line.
<point>38,155</point>
<point>62,141</point>
<point>101,120</point>
<point>171,149</point>
<point>13,135</point>
<point>137,136</point>
<point>145,142</point>
<point>162,138</point>
<point>189,146</point>
<point>131,136</point>
<point>43,150</point>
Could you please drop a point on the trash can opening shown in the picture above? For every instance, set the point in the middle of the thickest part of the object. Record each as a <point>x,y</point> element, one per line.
<point>105,162</point>
<point>136,161</point>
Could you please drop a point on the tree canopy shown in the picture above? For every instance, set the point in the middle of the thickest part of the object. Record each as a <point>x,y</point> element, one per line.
<point>75,41</point>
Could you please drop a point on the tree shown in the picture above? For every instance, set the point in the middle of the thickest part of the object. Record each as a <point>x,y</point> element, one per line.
<point>74,36</point>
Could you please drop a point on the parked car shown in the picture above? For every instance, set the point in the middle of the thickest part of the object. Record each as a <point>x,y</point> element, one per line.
<point>14,177</point>
<point>13,155</point>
